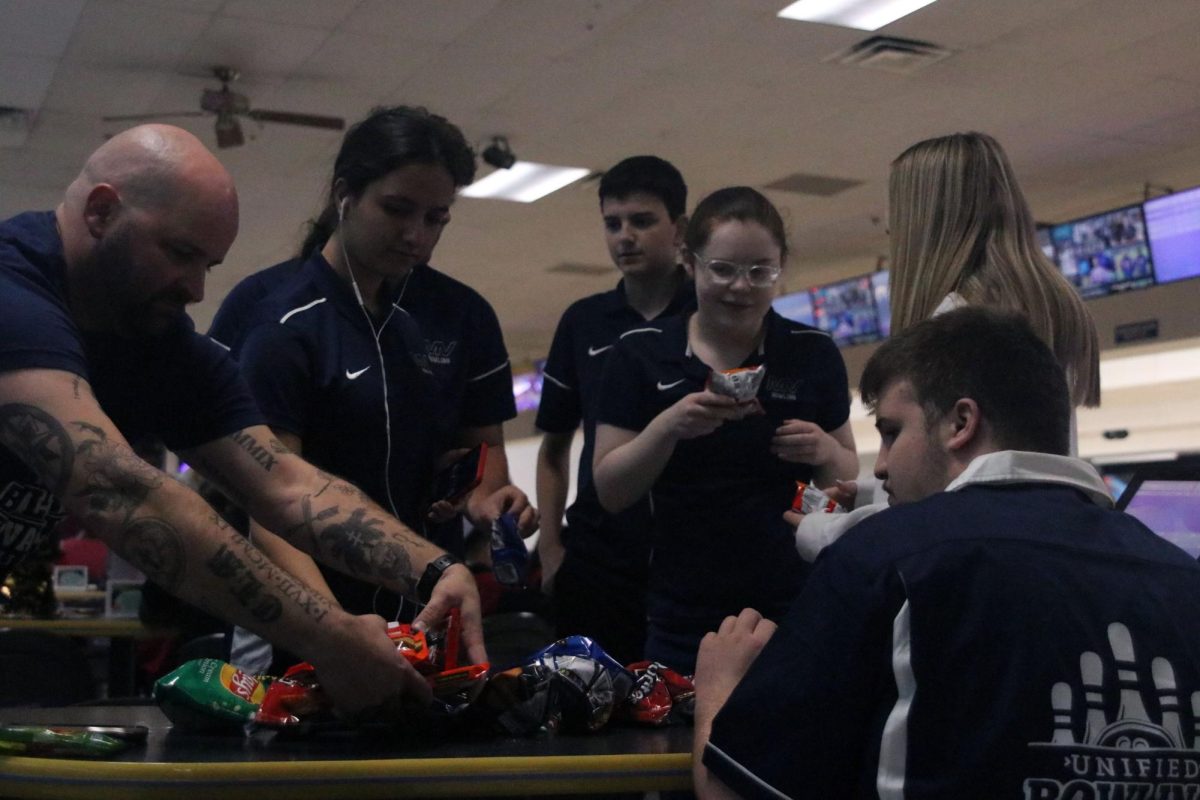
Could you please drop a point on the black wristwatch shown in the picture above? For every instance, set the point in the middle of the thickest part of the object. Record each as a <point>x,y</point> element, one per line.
<point>433,573</point>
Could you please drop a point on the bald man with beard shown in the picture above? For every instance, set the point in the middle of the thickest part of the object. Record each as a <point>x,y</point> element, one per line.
<point>96,350</point>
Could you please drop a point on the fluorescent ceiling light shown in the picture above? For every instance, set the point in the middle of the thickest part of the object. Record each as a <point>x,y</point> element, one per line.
<point>866,15</point>
<point>524,182</point>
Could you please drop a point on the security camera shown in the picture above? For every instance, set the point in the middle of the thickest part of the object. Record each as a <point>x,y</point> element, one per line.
<point>499,154</point>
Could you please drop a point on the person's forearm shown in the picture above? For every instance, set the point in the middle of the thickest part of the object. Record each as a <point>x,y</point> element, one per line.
<point>300,565</point>
<point>553,482</point>
<point>705,785</point>
<point>182,544</point>
<point>625,474</point>
<point>331,520</point>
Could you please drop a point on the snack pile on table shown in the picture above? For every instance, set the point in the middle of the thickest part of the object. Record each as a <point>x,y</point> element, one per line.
<point>571,685</point>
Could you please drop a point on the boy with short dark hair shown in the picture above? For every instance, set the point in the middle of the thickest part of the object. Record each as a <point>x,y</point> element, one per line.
<point>596,567</point>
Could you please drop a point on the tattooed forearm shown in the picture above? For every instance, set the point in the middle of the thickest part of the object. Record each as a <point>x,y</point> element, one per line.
<point>246,574</point>
<point>257,451</point>
<point>366,551</point>
<point>157,550</point>
<point>116,481</point>
<point>40,441</point>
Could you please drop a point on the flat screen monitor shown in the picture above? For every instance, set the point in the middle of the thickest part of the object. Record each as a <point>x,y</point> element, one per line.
<point>796,306</point>
<point>846,310</point>
<point>1173,223</point>
<point>1167,501</point>
<point>883,305</point>
<point>1105,253</point>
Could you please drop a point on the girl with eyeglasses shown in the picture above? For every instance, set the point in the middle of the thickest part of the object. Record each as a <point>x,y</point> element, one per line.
<point>719,473</point>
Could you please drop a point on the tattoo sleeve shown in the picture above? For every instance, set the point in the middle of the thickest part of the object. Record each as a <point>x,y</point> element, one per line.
<point>40,441</point>
<point>246,571</point>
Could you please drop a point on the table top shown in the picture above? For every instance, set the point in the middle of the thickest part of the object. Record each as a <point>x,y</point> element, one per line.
<point>367,764</point>
<point>119,627</point>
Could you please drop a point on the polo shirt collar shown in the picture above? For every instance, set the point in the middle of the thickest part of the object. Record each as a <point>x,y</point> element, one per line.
<point>1018,466</point>
<point>616,302</point>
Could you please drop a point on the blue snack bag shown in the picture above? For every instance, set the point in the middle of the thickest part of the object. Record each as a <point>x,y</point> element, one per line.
<point>510,557</point>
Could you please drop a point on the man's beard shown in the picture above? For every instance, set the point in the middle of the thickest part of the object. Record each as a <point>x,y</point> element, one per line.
<point>129,311</point>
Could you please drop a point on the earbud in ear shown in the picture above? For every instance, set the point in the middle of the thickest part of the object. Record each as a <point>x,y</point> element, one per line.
<point>342,210</point>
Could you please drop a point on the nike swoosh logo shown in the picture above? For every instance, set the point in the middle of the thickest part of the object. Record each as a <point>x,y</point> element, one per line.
<point>352,375</point>
<point>595,351</point>
<point>662,387</point>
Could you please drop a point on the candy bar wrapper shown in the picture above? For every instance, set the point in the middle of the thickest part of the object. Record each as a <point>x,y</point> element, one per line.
<point>33,740</point>
<point>741,384</point>
<point>510,556</point>
<point>207,694</point>
<point>811,500</point>
<point>660,695</point>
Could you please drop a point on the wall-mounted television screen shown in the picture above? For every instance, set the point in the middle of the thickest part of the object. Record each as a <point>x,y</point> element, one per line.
<point>1105,253</point>
<point>796,306</point>
<point>846,310</point>
<point>883,303</point>
<point>1173,223</point>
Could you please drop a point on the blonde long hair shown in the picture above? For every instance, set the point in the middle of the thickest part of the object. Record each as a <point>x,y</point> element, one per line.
<point>959,223</point>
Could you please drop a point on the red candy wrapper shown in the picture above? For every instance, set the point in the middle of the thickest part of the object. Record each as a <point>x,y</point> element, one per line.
<point>660,695</point>
<point>811,500</point>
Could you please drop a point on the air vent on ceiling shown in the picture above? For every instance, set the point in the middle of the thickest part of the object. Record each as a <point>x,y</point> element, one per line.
<point>819,185</point>
<point>574,268</point>
<point>891,54</point>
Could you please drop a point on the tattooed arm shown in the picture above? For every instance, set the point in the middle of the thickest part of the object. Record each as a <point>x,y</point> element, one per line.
<point>51,421</point>
<point>336,523</point>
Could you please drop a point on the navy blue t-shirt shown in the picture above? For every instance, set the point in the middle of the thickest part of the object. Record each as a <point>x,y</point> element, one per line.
<point>720,542</point>
<point>586,334</point>
<point>178,387</point>
<point>991,642</point>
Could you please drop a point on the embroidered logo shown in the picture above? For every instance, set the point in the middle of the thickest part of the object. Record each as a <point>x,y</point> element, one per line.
<point>778,388</point>
<point>439,352</point>
<point>595,351</point>
<point>1104,750</point>
<point>352,375</point>
<point>662,387</point>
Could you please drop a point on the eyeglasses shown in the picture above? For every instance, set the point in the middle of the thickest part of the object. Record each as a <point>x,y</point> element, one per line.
<point>723,273</point>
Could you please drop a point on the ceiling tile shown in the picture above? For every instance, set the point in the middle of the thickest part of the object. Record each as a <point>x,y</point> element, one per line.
<point>37,28</point>
<point>24,80</point>
<point>131,35</point>
<point>256,47</point>
<point>325,14</point>
<point>438,21</point>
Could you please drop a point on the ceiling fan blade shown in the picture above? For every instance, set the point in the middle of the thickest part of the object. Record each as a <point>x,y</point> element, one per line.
<point>140,117</point>
<point>291,118</point>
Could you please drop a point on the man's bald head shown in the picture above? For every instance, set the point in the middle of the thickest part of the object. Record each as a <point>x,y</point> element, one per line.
<point>152,166</point>
<point>150,212</point>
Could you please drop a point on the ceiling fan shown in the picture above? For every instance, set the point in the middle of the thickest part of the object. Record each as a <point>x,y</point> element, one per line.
<point>228,105</point>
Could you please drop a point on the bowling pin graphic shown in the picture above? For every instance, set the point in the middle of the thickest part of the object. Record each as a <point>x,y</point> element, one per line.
<point>1168,698</point>
<point>1091,669</point>
<point>1121,642</point>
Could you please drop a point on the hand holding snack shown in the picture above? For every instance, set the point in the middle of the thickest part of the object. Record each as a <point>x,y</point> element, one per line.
<point>456,589</point>
<point>701,413</point>
<point>508,499</point>
<point>803,442</point>
<point>836,499</point>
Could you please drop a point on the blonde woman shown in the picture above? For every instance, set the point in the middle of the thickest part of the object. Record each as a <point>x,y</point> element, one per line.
<point>962,234</point>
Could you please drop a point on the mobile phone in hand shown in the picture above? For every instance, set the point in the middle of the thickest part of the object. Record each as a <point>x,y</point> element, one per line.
<point>456,481</point>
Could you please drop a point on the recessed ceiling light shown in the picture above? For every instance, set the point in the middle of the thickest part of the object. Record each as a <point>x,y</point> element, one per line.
<point>524,182</point>
<point>867,15</point>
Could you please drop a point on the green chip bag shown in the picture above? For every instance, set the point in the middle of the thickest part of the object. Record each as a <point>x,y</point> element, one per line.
<point>207,694</point>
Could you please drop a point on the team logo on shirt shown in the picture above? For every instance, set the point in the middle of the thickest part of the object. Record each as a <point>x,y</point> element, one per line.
<point>781,388</point>
<point>439,352</point>
<point>1101,750</point>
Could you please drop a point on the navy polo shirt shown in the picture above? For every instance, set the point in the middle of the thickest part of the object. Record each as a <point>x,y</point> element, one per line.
<point>586,334</point>
<point>464,347</point>
<point>178,386</point>
<point>1011,641</point>
<point>720,540</point>
<point>313,365</point>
